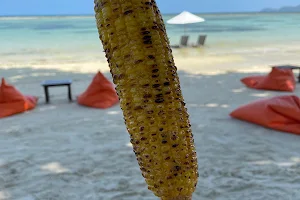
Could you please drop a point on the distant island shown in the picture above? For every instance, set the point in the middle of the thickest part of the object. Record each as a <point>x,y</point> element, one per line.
<point>283,9</point>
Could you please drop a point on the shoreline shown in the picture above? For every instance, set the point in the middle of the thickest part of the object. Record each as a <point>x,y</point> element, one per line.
<point>201,60</point>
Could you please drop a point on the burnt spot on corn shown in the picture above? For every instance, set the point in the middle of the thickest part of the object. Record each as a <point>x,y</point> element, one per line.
<point>159,100</point>
<point>155,27</point>
<point>102,4</point>
<point>128,12</point>
<point>127,56</point>
<point>147,37</point>
<point>96,7</point>
<point>118,76</point>
<point>156,85</point>
<point>138,61</point>
<point>148,42</point>
<point>161,113</point>
<point>138,108</point>
<point>155,70</point>
<point>115,48</point>
<point>159,96</point>
<point>147,95</point>
<point>145,32</point>
<point>174,137</point>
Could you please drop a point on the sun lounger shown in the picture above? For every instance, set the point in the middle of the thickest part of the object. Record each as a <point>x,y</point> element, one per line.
<point>278,79</point>
<point>183,42</point>
<point>292,67</point>
<point>200,41</point>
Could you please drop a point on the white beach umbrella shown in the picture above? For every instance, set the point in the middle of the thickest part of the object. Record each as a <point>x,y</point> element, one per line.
<point>185,18</point>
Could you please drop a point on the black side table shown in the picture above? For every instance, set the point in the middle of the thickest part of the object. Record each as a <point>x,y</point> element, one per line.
<point>57,83</point>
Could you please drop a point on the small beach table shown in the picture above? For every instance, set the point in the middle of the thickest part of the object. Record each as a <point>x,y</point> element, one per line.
<point>57,83</point>
<point>292,67</point>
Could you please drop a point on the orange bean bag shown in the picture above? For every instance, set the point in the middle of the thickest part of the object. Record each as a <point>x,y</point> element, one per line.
<point>281,113</point>
<point>13,102</point>
<point>99,94</point>
<point>277,79</point>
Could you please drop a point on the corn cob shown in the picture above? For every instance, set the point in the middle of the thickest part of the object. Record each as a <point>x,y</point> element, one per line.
<point>141,63</point>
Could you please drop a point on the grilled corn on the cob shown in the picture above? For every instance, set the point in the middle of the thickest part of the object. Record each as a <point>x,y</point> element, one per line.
<point>141,63</point>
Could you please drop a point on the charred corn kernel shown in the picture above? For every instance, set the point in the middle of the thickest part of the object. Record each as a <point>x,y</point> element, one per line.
<point>141,63</point>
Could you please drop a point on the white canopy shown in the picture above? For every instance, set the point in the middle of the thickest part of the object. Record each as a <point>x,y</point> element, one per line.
<point>185,18</point>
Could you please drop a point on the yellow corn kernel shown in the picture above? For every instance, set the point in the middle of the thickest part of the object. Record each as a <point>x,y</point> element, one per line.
<point>137,49</point>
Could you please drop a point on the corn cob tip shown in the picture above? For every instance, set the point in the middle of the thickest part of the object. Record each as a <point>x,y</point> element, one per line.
<point>179,198</point>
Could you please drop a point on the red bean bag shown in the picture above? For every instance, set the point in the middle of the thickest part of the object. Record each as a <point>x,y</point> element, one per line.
<point>281,113</point>
<point>277,79</point>
<point>13,102</point>
<point>99,94</point>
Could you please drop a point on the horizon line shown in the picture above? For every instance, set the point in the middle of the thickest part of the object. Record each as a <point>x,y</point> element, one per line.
<point>204,13</point>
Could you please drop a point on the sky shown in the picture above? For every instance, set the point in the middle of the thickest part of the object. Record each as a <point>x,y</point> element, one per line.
<point>73,7</point>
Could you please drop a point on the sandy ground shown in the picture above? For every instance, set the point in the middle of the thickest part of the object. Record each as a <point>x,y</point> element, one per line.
<point>63,151</point>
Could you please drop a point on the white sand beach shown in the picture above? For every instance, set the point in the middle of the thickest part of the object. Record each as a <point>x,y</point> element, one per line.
<point>63,151</point>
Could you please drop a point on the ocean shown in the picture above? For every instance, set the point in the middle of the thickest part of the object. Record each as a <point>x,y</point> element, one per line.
<point>43,39</point>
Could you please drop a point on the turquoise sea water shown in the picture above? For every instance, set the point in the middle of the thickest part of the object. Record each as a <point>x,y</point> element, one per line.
<point>62,36</point>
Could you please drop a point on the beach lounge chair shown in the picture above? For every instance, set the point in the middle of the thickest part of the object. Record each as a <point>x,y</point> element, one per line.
<point>99,94</point>
<point>200,41</point>
<point>292,67</point>
<point>278,79</point>
<point>183,42</point>
<point>13,101</point>
<point>280,113</point>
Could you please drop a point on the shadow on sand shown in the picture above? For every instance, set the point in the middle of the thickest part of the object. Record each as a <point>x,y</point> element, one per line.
<point>83,153</point>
